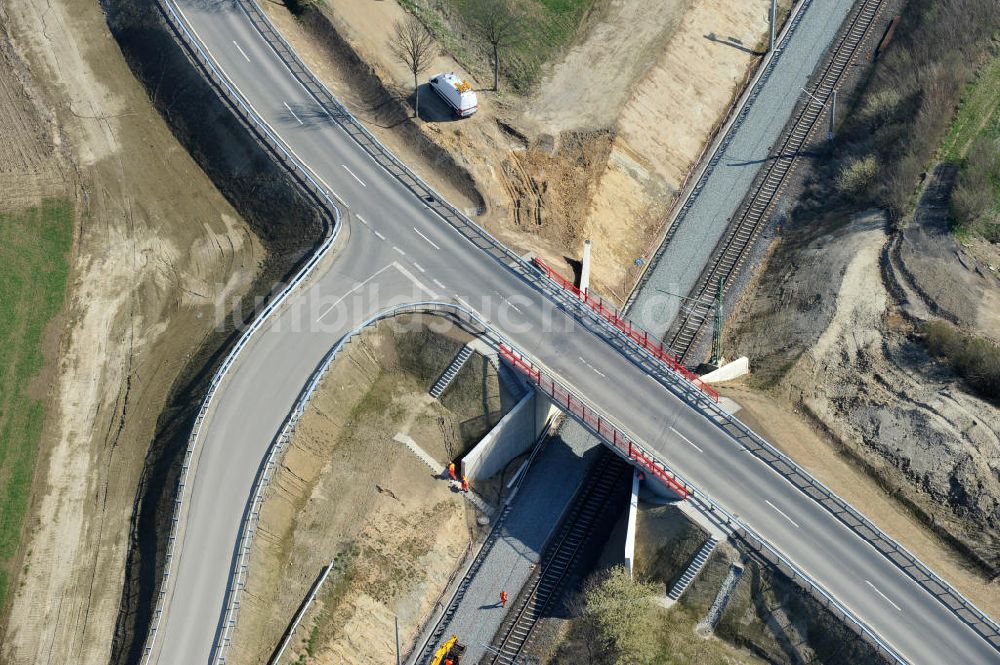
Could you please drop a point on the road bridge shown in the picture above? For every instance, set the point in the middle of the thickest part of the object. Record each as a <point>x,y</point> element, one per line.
<point>394,248</point>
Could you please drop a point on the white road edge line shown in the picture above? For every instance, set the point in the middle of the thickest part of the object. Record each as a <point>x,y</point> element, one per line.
<point>355,175</point>
<point>355,288</point>
<point>241,51</point>
<point>426,238</point>
<point>782,513</point>
<point>397,249</point>
<point>292,112</point>
<point>687,440</point>
<point>898,608</point>
<point>464,304</point>
<point>380,236</point>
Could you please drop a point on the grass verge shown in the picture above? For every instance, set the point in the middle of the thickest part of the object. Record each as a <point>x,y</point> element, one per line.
<point>34,265</point>
<point>973,141</point>
<point>548,26</point>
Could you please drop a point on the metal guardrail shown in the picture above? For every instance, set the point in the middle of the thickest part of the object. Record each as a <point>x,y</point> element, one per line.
<point>473,232</point>
<point>963,608</point>
<point>264,134</point>
<point>474,324</point>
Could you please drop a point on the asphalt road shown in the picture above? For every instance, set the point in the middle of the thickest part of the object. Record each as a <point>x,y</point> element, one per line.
<point>399,251</point>
<point>701,227</point>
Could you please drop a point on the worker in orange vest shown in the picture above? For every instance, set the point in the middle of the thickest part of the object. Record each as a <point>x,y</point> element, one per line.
<point>449,661</point>
<point>503,599</point>
<point>451,471</point>
<point>465,483</point>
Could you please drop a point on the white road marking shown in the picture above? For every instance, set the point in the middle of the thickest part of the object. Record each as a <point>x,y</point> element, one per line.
<point>240,50</point>
<point>410,276</point>
<point>687,440</point>
<point>225,75</point>
<point>464,304</point>
<point>898,608</point>
<point>426,238</point>
<point>397,249</point>
<point>356,287</point>
<point>362,220</point>
<point>417,266</point>
<point>292,112</point>
<point>380,236</point>
<point>596,371</point>
<point>509,303</point>
<point>355,175</point>
<point>438,284</point>
<point>782,513</point>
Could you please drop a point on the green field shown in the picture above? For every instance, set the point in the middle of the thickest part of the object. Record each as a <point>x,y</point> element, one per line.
<point>973,142</point>
<point>34,255</point>
<point>979,113</point>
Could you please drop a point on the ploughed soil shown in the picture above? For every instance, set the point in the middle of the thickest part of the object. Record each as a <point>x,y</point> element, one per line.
<point>597,150</point>
<point>349,493</point>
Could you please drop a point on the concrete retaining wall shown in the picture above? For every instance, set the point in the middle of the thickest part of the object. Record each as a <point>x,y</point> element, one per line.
<point>729,371</point>
<point>633,509</point>
<point>510,437</point>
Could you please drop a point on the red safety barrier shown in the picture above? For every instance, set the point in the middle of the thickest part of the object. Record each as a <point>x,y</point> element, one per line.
<point>565,400</point>
<point>638,335</point>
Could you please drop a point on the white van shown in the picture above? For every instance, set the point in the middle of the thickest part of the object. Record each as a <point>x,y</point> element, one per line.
<point>457,93</point>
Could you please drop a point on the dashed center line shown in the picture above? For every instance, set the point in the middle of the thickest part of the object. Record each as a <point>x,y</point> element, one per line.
<point>240,50</point>
<point>292,112</point>
<point>687,440</point>
<point>508,302</point>
<point>380,236</point>
<point>439,284</point>
<point>596,371</point>
<point>362,220</point>
<point>782,513</point>
<point>354,174</point>
<point>417,266</point>
<point>426,238</point>
<point>898,608</point>
<point>397,249</point>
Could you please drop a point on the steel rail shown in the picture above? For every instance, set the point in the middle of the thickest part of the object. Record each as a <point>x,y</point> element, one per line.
<point>635,353</point>
<point>473,323</point>
<point>742,233</point>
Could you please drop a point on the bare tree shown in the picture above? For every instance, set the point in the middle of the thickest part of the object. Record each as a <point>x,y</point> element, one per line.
<point>499,23</point>
<point>413,46</point>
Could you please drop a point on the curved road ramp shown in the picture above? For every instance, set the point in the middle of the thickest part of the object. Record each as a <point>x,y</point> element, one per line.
<point>399,247</point>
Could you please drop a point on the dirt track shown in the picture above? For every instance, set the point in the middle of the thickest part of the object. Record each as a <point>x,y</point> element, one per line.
<point>156,247</point>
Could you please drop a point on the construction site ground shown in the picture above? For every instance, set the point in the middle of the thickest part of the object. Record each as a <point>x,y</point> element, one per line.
<point>567,161</point>
<point>545,492</point>
<point>155,246</point>
<point>348,492</point>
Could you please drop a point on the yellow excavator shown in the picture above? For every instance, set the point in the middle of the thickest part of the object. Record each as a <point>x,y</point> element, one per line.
<point>450,653</point>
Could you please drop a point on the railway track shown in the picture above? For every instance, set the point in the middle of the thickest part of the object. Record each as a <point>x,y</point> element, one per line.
<point>734,247</point>
<point>558,562</point>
